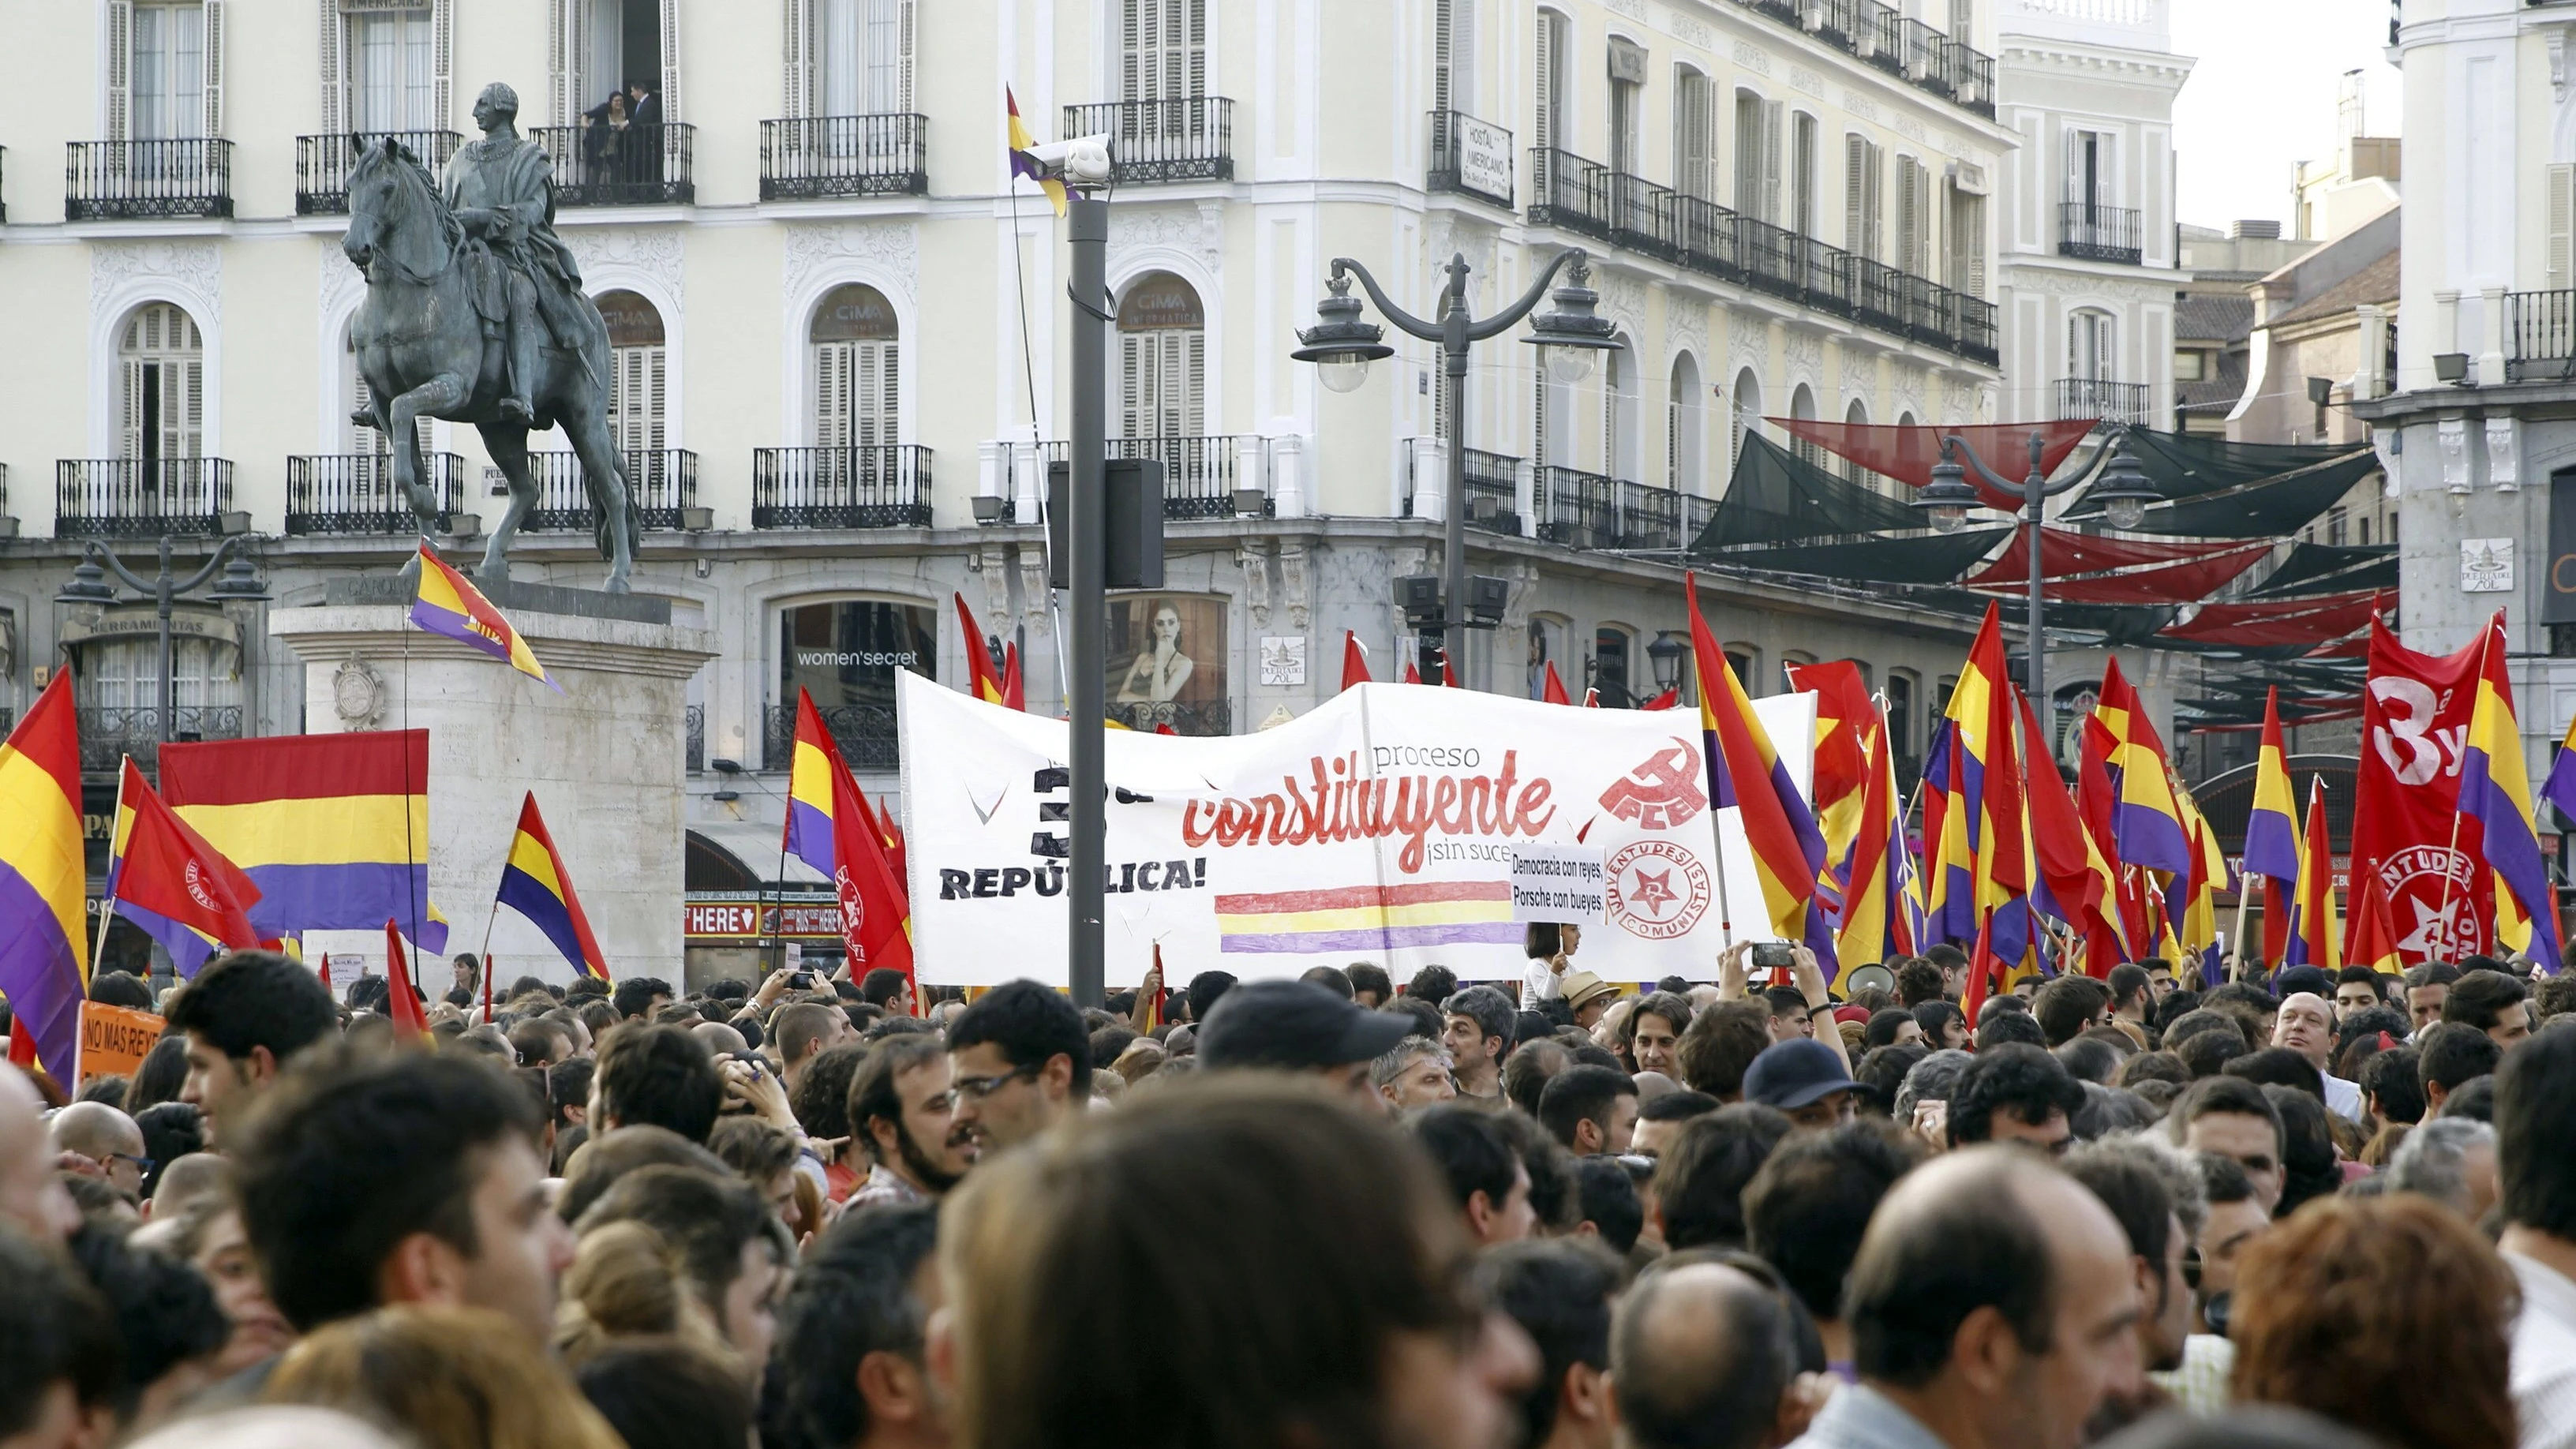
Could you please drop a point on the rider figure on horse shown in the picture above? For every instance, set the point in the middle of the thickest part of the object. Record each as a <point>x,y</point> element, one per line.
<point>527,287</point>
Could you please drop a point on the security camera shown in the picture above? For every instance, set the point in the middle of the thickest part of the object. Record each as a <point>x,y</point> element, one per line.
<point>1079,161</point>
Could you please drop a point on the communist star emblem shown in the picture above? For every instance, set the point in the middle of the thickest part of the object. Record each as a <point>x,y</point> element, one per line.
<point>1655,891</point>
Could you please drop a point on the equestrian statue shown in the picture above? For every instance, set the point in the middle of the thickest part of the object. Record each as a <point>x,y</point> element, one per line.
<point>474,313</point>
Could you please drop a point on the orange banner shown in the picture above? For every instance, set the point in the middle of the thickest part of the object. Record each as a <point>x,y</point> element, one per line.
<point>114,1039</point>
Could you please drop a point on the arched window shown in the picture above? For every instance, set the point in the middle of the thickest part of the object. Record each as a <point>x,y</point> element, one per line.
<point>1746,661</point>
<point>124,674</point>
<point>1901,688</point>
<point>1162,354</point>
<point>1620,444</point>
<point>857,368</point>
<point>1856,415</point>
<point>1683,471</point>
<point>163,358</point>
<point>636,370</point>
<point>1747,413</point>
<point>1610,654</point>
<point>1802,404</point>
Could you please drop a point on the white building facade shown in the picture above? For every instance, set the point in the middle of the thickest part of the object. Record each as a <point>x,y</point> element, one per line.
<point>2088,265</point>
<point>837,325</point>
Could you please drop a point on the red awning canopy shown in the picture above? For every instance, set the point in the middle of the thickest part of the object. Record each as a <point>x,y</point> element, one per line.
<point>2080,568</point>
<point>2270,625</point>
<point>1907,452</point>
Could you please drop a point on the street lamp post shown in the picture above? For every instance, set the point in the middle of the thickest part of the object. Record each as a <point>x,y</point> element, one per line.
<point>2124,496</point>
<point>1342,346</point>
<point>241,584</point>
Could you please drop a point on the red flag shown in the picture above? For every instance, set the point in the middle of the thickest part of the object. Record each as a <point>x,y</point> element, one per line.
<point>1669,699</point>
<point>171,871</point>
<point>324,970</point>
<point>2414,724</point>
<point>1553,691</point>
<point>2075,875</point>
<point>981,681</point>
<point>401,1002</point>
<point>1411,674</point>
<point>1015,690</point>
<point>1843,712</point>
<point>2374,933</point>
<point>1354,660</point>
<point>876,919</point>
<point>1591,697</point>
<point>1449,671</point>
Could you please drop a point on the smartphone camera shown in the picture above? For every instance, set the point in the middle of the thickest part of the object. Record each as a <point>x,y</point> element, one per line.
<point>1773,955</point>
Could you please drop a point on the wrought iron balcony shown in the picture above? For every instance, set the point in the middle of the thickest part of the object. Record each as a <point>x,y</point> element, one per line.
<point>2098,233</point>
<point>1493,489</point>
<point>1188,139</point>
<point>2112,402</point>
<point>108,732</point>
<point>2539,336</point>
<point>641,165</point>
<point>323,163</point>
<point>844,156</point>
<point>841,487</point>
<point>1650,517</point>
<point>1199,472</point>
<point>1570,193</point>
<point>1881,35</point>
<point>141,497</point>
<point>356,493</point>
<point>663,480</point>
<point>123,180</point>
<point>1470,157</point>
<point>1577,509</point>
<point>864,732</point>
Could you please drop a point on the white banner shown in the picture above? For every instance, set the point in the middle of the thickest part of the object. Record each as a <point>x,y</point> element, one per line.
<point>1379,827</point>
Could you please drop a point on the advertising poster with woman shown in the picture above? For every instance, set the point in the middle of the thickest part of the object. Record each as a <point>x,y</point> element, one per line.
<point>1167,656</point>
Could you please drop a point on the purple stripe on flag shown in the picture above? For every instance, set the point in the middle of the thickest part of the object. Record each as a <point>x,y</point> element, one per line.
<point>358,896</point>
<point>39,972</point>
<point>2272,845</point>
<point>809,837</point>
<point>459,627</point>
<point>189,952</point>
<point>1374,938</point>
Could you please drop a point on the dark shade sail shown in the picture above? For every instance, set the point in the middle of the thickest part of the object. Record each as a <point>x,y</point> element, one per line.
<point>2325,568</point>
<point>1934,558</point>
<point>1778,497</point>
<point>2218,492</point>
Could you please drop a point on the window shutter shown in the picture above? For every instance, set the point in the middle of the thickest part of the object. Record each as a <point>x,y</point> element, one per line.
<point>1197,80</point>
<point>1748,153</point>
<point>1856,238</point>
<point>214,53</point>
<point>1544,117</point>
<point>889,393</point>
<point>2561,259</point>
<point>795,75</point>
<point>442,62</point>
<point>331,74</point>
<point>120,66</point>
<point>1193,350</point>
<point>654,363</point>
<point>1673,437</point>
<point>1610,417</point>
<point>133,420</point>
<point>1131,366</point>
<point>1462,55</point>
<point>903,56</point>
<point>830,422</point>
<point>189,435</point>
<point>1771,114</point>
<point>1443,24</point>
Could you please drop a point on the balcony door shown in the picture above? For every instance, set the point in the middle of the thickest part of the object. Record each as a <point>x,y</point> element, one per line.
<point>167,65</point>
<point>1547,131</point>
<point>2088,174</point>
<point>857,369</point>
<point>163,358</point>
<point>1757,157</point>
<point>614,43</point>
<point>2089,355</point>
<point>864,54</point>
<point>1162,50</point>
<point>1694,135</point>
<point>392,71</point>
<point>637,367</point>
<point>1162,359</point>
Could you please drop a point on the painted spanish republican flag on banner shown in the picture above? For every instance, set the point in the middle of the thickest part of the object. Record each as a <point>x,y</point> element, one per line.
<point>535,884</point>
<point>44,951</point>
<point>449,605</point>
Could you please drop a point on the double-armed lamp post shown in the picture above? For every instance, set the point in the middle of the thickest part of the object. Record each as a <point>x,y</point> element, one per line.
<point>2124,495</point>
<point>1342,345</point>
<point>241,584</point>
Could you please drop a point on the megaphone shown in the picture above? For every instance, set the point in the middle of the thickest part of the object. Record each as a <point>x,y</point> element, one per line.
<point>1081,162</point>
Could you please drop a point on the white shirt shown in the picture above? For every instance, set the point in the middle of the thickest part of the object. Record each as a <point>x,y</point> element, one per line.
<point>1540,983</point>
<point>2544,1355</point>
<point>2343,1098</point>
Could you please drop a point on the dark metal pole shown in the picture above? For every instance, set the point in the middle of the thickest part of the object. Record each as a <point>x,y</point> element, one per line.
<point>161,596</point>
<point>1453,347</point>
<point>2035,509</point>
<point>1087,534</point>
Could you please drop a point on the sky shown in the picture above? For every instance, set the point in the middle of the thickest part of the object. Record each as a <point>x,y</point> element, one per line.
<point>2261,97</point>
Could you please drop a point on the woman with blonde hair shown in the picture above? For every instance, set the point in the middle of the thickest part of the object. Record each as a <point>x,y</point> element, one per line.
<point>625,1282</point>
<point>446,1378</point>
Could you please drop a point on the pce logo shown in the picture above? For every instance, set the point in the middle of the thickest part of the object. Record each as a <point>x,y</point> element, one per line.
<point>1661,793</point>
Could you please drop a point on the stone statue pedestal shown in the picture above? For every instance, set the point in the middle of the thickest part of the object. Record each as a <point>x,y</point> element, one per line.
<point>604,757</point>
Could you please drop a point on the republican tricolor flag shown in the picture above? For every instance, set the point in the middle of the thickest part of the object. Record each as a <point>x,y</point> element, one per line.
<point>2495,791</point>
<point>44,950</point>
<point>447,604</point>
<point>1745,772</point>
<point>535,884</point>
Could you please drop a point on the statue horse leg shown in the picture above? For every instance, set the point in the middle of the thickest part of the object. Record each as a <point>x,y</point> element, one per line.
<point>611,492</point>
<point>508,445</point>
<point>437,397</point>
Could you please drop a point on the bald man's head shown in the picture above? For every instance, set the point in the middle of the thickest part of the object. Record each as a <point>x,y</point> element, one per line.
<point>719,1038</point>
<point>95,1130</point>
<point>1700,1356</point>
<point>31,1194</point>
<point>197,1175</point>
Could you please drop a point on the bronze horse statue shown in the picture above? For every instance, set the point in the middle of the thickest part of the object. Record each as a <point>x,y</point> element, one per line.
<point>421,347</point>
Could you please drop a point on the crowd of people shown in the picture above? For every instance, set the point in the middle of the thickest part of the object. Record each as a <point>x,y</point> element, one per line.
<point>2297,1208</point>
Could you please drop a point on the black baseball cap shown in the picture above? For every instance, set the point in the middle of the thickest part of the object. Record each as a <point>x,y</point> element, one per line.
<point>1295,1025</point>
<point>1794,1073</point>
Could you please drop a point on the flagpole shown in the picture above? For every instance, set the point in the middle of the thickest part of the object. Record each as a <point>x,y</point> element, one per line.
<point>787,813</point>
<point>107,902</point>
<point>486,957</point>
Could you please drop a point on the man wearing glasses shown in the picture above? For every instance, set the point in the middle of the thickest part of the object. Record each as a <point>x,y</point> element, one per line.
<point>103,1135</point>
<point>1020,1062</point>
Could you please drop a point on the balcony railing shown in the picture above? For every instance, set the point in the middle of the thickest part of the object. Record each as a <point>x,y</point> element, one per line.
<point>865,733</point>
<point>109,732</point>
<point>1650,517</point>
<point>356,493</point>
<point>2098,233</point>
<point>1587,198</point>
<point>1470,157</point>
<point>121,180</point>
<point>642,165</point>
<point>1881,35</point>
<point>840,487</point>
<point>1189,139</point>
<point>844,156</point>
<point>663,480</point>
<point>1199,472</point>
<point>1493,489</point>
<point>1577,509</point>
<point>2539,336</point>
<point>323,163</point>
<point>140,497</point>
<point>2112,402</point>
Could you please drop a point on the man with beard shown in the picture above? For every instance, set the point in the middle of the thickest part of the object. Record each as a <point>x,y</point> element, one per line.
<point>899,1102</point>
